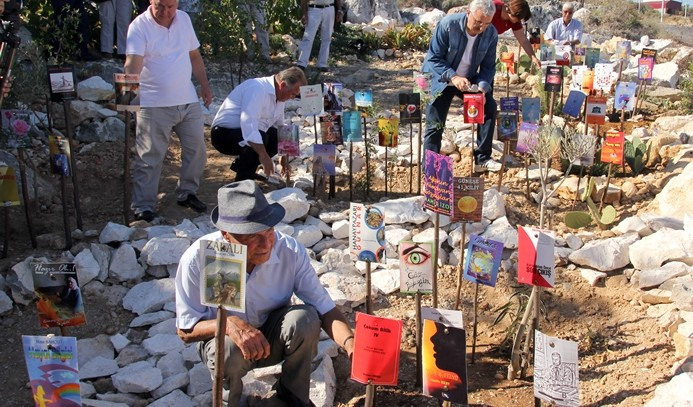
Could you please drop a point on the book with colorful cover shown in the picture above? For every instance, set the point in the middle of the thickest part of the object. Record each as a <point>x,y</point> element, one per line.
<point>331,128</point>
<point>59,297</point>
<point>473,105</point>
<point>510,104</point>
<point>438,182</point>
<point>127,92</point>
<point>416,267</point>
<point>592,57</point>
<point>9,189</point>
<point>444,365</point>
<point>596,110</point>
<point>351,126</point>
<point>645,68</point>
<point>625,96</point>
<point>573,105</point>
<point>563,55</point>
<point>59,150</point>
<point>531,110</point>
<point>587,82</point>
<point>324,159</point>
<point>363,99</point>
<point>376,350</point>
<point>468,199</point>
<point>556,368</point>
<point>576,73</point>
<point>547,52</point>
<point>288,140</point>
<point>602,77</point>
<point>649,53</point>
<point>612,147</point>
<point>483,260</point>
<point>61,82</point>
<point>410,108</point>
<point>312,101</point>
<point>223,275</point>
<point>51,362</point>
<point>388,130</point>
<point>623,50</point>
<point>366,233</point>
<point>554,79</point>
<point>535,260</point>
<point>527,137</point>
<point>579,55</point>
<point>507,126</point>
<point>16,125</point>
<point>332,97</point>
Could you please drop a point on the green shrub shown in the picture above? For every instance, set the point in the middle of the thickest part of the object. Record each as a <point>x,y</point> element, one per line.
<point>687,88</point>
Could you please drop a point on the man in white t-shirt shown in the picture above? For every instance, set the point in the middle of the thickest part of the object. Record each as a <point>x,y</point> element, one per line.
<point>564,30</point>
<point>272,328</point>
<point>163,49</point>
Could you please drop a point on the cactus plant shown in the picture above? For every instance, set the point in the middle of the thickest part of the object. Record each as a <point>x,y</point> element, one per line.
<point>578,219</point>
<point>636,154</point>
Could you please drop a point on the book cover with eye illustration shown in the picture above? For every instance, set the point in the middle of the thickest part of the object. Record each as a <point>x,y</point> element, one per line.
<point>507,126</point>
<point>554,79</point>
<point>51,362</point>
<point>596,110</point>
<point>331,128</point>
<point>482,260</point>
<point>444,362</point>
<point>467,198</point>
<point>438,182</point>
<point>612,148</point>
<point>625,96</point>
<point>366,233</point>
<point>535,260</point>
<point>473,108</point>
<point>376,350</point>
<point>531,110</point>
<point>409,108</point>
<point>416,267</point>
<point>388,130</point>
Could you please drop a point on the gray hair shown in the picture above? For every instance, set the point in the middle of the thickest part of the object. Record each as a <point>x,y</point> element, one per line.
<point>486,6</point>
<point>568,6</point>
<point>292,76</point>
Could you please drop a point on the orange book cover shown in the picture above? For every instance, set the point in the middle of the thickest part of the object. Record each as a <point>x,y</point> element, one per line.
<point>612,148</point>
<point>376,350</point>
<point>444,362</point>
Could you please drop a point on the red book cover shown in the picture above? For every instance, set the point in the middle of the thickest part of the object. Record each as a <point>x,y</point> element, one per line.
<point>612,148</point>
<point>596,110</point>
<point>535,261</point>
<point>444,363</point>
<point>474,108</point>
<point>376,350</point>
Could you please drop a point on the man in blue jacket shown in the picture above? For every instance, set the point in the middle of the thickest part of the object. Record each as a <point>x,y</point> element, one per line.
<point>461,58</point>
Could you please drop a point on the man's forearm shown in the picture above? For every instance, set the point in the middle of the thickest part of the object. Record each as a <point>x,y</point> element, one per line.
<point>336,326</point>
<point>260,150</point>
<point>198,69</point>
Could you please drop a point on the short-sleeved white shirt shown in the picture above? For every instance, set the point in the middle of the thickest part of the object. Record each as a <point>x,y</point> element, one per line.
<point>269,286</point>
<point>558,31</point>
<point>253,107</point>
<point>166,74</point>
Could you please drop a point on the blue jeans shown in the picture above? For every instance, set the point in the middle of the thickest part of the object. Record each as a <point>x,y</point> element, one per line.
<point>437,113</point>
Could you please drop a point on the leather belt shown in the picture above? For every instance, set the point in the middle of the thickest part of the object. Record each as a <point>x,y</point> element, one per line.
<point>320,5</point>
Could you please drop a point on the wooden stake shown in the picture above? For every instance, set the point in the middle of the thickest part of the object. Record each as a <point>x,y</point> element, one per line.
<point>370,394</point>
<point>419,369</point>
<point>369,301</point>
<point>126,171</point>
<point>551,103</point>
<point>606,189</point>
<point>25,197</point>
<point>507,82</point>
<point>471,171</point>
<point>315,176</point>
<point>623,117</point>
<point>219,342</point>
<point>387,164</point>
<point>331,193</point>
<point>476,306</point>
<point>66,215</point>
<point>351,171</point>
<point>460,267</point>
<point>6,239</point>
<point>506,151</point>
<point>436,238</point>
<point>411,157</point>
<point>527,174</point>
<point>73,164</point>
<point>420,147</point>
<point>368,167</point>
<point>577,191</point>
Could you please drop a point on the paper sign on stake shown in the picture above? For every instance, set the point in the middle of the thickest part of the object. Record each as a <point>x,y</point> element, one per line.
<point>223,275</point>
<point>363,99</point>
<point>333,97</point>
<point>625,96</point>
<point>573,106</point>
<point>531,109</point>
<point>127,91</point>
<point>59,297</point>
<point>556,370</point>
<point>416,267</point>
<point>596,110</point>
<point>409,108</point>
<point>483,260</point>
<point>9,192</point>
<point>612,148</point>
<point>288,140</point>
<point>438,182</point>
<point>351,125</point>
<point>366,233</point>
<point>388,131</point>
<point>376,350</point>
<point>473,108</point>
<point>311,100</point>
<point>448,317</point>
<point>444,365</point>
<point>331,128</point>
<point>527,138</point>
<point>468,199</point>
<point>53,370</point>
<point>535,262</point>
<point>645,68</point>
<point>324,159</point>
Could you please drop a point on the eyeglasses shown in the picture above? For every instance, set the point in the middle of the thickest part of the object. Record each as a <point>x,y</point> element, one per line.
<point>567,11</point>
<point>478,23</point>
<point>510,13</point>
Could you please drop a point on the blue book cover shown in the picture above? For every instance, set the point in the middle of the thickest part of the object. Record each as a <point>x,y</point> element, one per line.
<point>483,260</point>
<point>53,371</point>
<point>351,125</point>
<point>531,109</point>
<point>507,125</point>
<point>625,96</point>
<point>510,104</point>
<point>573,106</point>
<point>324,159</point>
<point>363,98</point>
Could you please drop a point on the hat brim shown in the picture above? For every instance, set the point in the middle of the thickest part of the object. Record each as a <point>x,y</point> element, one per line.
<point>275,216</point>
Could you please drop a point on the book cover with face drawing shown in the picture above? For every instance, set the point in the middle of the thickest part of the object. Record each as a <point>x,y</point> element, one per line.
<point>444,365</point>
<point>556,368</point>
<point>416,267</point>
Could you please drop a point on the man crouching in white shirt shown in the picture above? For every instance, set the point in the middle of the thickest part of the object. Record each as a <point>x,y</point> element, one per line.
<point>246,123</point>
<point>271,329</point>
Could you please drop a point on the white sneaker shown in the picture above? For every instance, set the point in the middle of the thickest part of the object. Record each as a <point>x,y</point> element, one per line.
<point>488,165</point>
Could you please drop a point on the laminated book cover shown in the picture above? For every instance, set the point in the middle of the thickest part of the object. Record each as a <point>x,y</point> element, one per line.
<point>388,130</point>
<point>579,55</point>
<point>554,79</point>
<point>366,233</point>
<point>422,85</point>
<point>649,53</point>
<point>576,73</point>
<point>573,105</point>
<point>416,267</point>
<point>625,96</point>
<point>563,55</point>
<point>592,57</point>
<point>623,50</point>
<point>59,150</point>
<point>448,317</point>
<point>16,125</point>
<point>324,159</point>
<point>531,110</point>
<point>444,361</point>
<point>9,189</point>
<point>507,126</point>
<point>535,260</point>
<point>438,182</point>
<point>376,350</point>
<point>127,92</point>
<point>58,295</point>
<point>51,362</point>
<point>508,59</point>
<point>596,110</point>
<point>510,104</point>
<point>410,108</point>
<point>547,52</point>
<point>588,158</point>
<point>473,108</point>
<point>332,97</point>
<point>363,98</point>
<point>612,148</point>
<point>61,82</point>
<point>482,261</point>
<point>645,68</point>
<point>602,77</point>
<point>224,274</point>
<point>288,140</point>
<point>311,100</point>
<point>556,368</point>
<point>351,125</point>
<point>468,199</point>
<point>331,128</point>
<point>527,137</point>
<point>587,81</point>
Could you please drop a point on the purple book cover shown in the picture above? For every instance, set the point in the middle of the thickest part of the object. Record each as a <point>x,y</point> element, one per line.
<point>527,137</point>
<point>511,104</point>
<point>438,182</point>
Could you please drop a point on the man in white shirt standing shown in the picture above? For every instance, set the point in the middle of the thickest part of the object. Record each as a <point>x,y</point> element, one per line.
<point>163,49</point>
<point>318,14</point>
<point>247,122</point>
<point>564,30</point>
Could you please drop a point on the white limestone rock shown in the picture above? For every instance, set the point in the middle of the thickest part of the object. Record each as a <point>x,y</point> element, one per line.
<point>476,228</point>
<point>5,303</point>
<point>102,255</point>
<point>98,367</point>
<point>633,224</point>
<point>605,255</point>
<point>172,364</point>
<point>393,237</point>
<point>21,282</point>
<point>131,354</point>
<point>675,198</point>
<point>119,342</point>
<point>656,276</point>
<point>307,235</point>
<point>124,265</point>
<point>323,384</point>
<point>151,318</point>
<point>169,395</point>
<point>139,377</point>
<point>164,327</point>
<point>501,231</point>
<point>324,228</point>
<point>592,276</point>
<point>114,232</point>
<point>90,348</point>
<point>162,251</point>
<point>160,231</point>
<point>346,289</point>
<point>340,229</point>
<point>494,205</point>
<point>678,392</point>
<point>162,344</point>
<point>428,236</point>
<point>666,74</point>
<point>87,267</point>
<point>200,380</point>
<point>573,241</point>
<point>190,354</point>
<point>293,200</point>
<point>663,246</point>
<point>431,18</point>
<point>387,281</point>
<point>187,229</point>
<point>101,403</point>
<point>404,210</point>
<point>86,390</point>
<point>95,89</point>
<point>285,229</point>
<point>149,296</point>
<point>331,217</point>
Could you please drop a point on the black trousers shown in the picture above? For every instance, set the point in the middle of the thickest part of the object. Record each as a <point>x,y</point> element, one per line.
<point>226,142</point>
